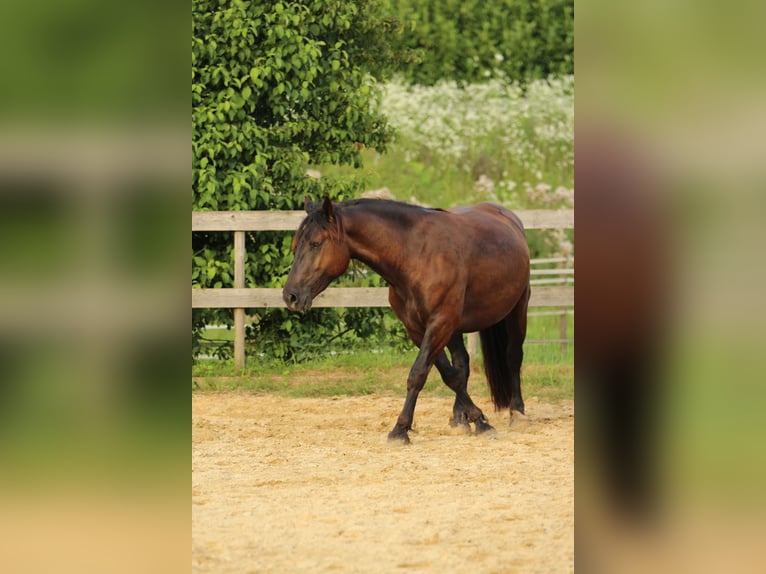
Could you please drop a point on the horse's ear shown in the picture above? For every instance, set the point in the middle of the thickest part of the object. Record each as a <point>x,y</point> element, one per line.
<point>327,209</point>
<point>307,203</point>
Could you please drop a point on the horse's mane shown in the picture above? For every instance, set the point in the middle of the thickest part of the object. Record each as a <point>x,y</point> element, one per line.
<point>313,217</point>
<point>388,209</point>
<point>396,212</point>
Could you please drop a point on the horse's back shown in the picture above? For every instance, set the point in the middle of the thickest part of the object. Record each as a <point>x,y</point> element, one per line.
<point>484,211</point>
<point>489,223</point>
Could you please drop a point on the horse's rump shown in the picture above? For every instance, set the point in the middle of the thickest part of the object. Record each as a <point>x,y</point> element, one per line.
<point>495,256</point>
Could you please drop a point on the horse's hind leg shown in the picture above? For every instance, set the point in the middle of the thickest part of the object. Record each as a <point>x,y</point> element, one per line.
<point>516,324</point>
<point>454,379</point>
<point>455,376</point>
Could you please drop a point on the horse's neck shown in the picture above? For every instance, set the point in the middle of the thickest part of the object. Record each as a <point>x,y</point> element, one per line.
<point>376,242</point>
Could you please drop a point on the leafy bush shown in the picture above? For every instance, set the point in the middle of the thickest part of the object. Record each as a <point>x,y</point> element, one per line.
<point>276,86</point>
<point>473,40</point>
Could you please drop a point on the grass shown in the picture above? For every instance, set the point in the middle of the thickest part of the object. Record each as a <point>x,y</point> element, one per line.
<point>539,328</point>
<point>410,180</point>
<point>548,369</point>
<point>366,373</point>
<point>548,372</point>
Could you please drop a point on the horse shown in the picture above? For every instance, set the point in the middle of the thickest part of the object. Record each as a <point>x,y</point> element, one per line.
<point>449,272</point>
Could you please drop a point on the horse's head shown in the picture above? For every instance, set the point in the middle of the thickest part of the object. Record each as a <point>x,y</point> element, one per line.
<point>321,255</point>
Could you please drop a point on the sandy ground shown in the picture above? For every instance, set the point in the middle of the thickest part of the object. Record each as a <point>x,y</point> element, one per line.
<point>311,485</point>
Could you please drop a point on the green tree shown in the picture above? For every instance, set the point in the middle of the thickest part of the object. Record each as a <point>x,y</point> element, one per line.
<point>473,40</point>
<point>277,86</point>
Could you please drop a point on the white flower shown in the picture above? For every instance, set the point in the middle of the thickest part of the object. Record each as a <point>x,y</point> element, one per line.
<point>526,135</point>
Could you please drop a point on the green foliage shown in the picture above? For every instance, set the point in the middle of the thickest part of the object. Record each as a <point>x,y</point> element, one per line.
<point>287,337</point>
<point>473,40</point>
<point>274,86</point>
<point>277,86</point>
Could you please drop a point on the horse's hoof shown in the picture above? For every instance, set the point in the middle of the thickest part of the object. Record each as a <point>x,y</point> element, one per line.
<point>483,427</point>
<point>457,420</point>
<point>460,426</point>
<point>399,437</point>
<point>519,420</point>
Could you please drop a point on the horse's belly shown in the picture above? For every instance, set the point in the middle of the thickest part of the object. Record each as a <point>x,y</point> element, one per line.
<point>481,313</point>
<point>478,320</point>
<point>490,298</point>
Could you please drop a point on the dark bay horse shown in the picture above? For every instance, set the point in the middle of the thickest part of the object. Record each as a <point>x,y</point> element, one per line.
<point>449,273</point>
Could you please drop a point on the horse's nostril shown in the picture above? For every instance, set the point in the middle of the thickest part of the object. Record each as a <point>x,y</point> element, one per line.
<point>291,298</point>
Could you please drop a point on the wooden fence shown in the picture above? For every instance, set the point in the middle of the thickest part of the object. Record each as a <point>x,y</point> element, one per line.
<point>240,298</point>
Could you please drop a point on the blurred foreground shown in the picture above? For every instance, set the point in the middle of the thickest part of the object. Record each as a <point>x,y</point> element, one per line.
<point>670,173</point>
<point>94,175</point>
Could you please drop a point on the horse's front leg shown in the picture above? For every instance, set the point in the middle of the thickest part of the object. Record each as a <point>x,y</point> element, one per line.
<point>430,348</point>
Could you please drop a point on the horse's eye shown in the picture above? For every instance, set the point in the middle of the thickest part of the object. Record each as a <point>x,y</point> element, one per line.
<point>315,244</point>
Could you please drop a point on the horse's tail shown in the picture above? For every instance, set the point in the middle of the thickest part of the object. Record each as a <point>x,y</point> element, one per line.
<point>494,348</point>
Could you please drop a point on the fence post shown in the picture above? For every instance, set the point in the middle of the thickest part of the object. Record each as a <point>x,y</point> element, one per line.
<point>473,346</point>
<point>563,329</point>
<point>239,313</point>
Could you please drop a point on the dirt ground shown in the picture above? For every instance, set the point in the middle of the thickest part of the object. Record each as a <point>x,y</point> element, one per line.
<point>311,485</point>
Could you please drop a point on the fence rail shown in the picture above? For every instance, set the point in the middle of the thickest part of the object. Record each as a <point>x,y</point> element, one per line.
<point>266,297</point>
<point>289,220</point>
<point>240,298</point>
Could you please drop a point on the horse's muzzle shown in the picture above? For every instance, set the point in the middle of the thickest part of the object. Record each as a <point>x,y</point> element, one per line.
<point>296,301</point>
